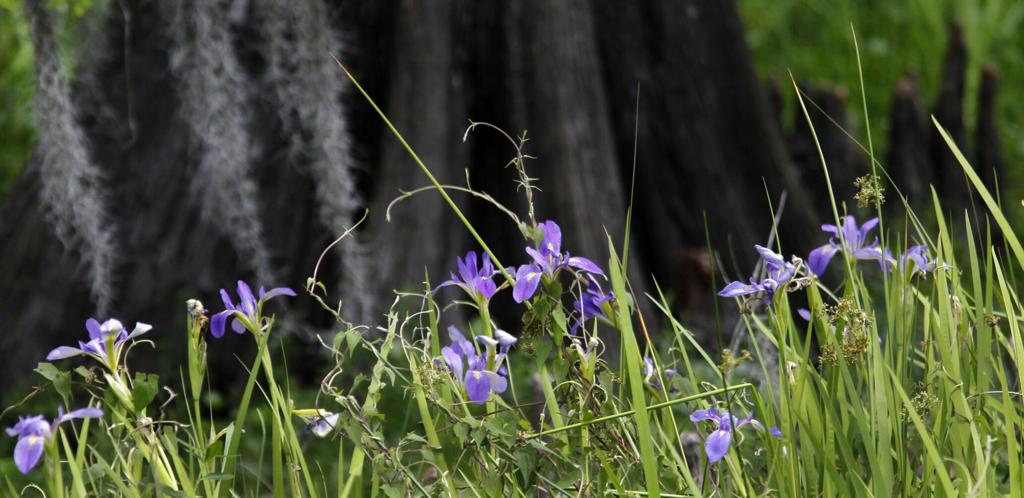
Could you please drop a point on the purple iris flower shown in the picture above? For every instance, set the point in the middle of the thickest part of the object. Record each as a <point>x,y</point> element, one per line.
<point>478,282</point>
<point>717,443</point>
<point>106,342</point>
<point>854,244</point>
<point>247,312</point>
<point>546,261</point>
<point>919,262</point>
<point>34,432</point>
<point>651,375</point>
<point>479,373</point>
<point>590,302</point>
<point>780,272</point>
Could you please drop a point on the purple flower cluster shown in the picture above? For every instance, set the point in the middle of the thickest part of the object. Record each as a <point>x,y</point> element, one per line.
<point>477,281</point>
<point>478,365</point>
<point>547,260</point>
<point>780,272</point>
<point>917,260</point>
<point>590,303</point>
<point>247,312</point>
<point>717,443</point>
<point>34,432</point>
<point>106,342</point>
<point>483,372</point>
<point>853,242</point>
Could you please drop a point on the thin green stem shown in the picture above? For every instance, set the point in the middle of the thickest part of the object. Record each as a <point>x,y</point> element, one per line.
<point>629,413</point>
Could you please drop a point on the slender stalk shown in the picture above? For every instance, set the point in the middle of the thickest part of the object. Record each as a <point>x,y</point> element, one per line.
<point>231,456</point>
<point>630,413</point>
<point>430,176</point>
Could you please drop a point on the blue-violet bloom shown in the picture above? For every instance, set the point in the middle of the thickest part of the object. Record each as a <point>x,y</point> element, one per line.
<point>590,303</point>
<point>34,432</point>
<point>479,373</point>
<point>546,261</point>
<point>248,310</point>
<point>717,443</point>
<point>478,282</point>
<point>106,342</point>
<point>780,272</point>
<point>917,259</point>
<point>854,244</point>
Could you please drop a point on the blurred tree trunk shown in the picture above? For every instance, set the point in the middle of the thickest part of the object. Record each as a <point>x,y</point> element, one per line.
<point>707,148</point>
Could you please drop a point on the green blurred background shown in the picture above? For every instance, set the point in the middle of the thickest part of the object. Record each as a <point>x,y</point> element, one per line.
<point>813,40</point>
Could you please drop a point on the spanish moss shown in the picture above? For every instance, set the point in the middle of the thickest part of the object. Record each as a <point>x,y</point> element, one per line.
<point>307,87</point>
<point>71,185</point>
<point>215,104</point>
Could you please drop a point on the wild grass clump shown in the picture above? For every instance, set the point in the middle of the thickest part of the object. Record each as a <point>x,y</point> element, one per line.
<point>901,376</point>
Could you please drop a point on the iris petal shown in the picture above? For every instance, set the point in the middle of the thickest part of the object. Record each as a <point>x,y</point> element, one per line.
<point>819,258</point>
<point>217,323</point>
<point>63,352</point>
<point>27,452</point>
<point>140,328</point>
<point>527,280</point>
<point>771,258</point>
<point>737,289</point>
<point>87,412</point>
<point>585,265</point>
<point>497,382</point>
<point>276,292</point>
<point>246,300</point>
<point>453,359</point>
<point>552,237</point>
<point>699,415</point>
<point>224,296</point>
<point>717,444</point>
<point>478,386</point>
<point>467,267</point>
<point>93,326</point>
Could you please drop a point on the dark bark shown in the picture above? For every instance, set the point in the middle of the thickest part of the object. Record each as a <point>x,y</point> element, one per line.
<point>908,158</point>
<point>989,162</point>
<point>949,111</point>
<point>826,106</point>
<point>706,139</point>
<point>425,103</point>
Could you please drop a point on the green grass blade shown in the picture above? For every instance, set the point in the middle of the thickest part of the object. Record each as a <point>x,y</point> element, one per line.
<point>634,358</point>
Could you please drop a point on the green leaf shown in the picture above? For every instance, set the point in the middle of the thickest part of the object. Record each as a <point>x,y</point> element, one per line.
<point>215,450</point>
<point>461,432</point>
<point>542,349</point>
<point>85,373</point>
<point>526,461</point>
<point>172,492</point>
<point>47,370</point>
<point>61,380</point>
<point>144,389</point>
<point>62,383</point>
<point>393,491</point>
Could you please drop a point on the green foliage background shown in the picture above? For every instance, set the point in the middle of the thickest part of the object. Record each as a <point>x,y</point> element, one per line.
<point>17,129</point>
<point>812,39</point>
